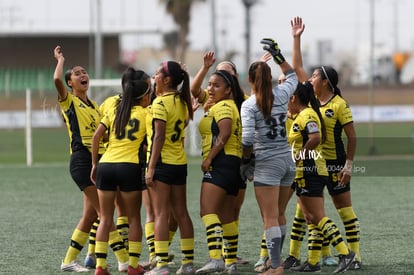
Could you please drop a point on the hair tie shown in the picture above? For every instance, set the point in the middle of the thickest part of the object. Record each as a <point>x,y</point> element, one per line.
<point>223,75</point>
<point>326,76</point>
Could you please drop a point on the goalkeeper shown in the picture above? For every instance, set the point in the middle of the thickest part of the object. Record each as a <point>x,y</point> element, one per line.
<point>263,117</point>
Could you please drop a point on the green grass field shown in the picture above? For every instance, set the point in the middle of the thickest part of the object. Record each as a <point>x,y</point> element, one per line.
<point>40,206</point>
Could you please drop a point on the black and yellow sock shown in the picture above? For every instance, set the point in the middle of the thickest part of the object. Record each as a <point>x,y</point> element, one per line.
<point>352,230</point>
<point>214,232</point>
<point>326,248</point>
<point>149,236</point>
<point>92,237</point>
<point>299,228</point>
<point>263,247</point>
<point>187,250</point>
<point>101,251</point>
<point>230,242</point>
<point>135,250</point>
<point>331,232</point>
<point>161,250</point>
<point>315,239</point>
<point>77,241</point>
<point>117,246</point>
<point>171,235</point>
<point>123,229</point>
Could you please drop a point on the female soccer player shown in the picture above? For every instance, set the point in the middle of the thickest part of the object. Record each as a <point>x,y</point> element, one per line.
<point>82,116</point>
<point>167,163</point>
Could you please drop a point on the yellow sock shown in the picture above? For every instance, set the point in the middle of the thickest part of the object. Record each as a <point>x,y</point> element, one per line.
<point>187,249</point>
<point>315,239</point>
<point>331,232</point>
<point>230,241</point>
<point>149,236</point>
<point>101,251</point>
<point>171,235</point>
<point>263,247</point>
<point>352,231</point>
<point>123,228</point>
<point>214,233</point>
<point>298,232</point>
<point>92,237</point>
<point>78,240</point>
<point>161,250</point>
<point>117,246</point>
<point>326,249</point>
<point>135,250</point>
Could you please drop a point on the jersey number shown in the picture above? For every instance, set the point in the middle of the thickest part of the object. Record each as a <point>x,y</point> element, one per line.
<point>176,136</point>
<point>134,123</point>
<point>276,126</point>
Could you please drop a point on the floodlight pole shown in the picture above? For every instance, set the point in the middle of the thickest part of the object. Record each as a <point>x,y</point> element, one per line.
<point>214,27</point>
<point>98,41</point>
<point>371,149</point>
<point>248,4</point>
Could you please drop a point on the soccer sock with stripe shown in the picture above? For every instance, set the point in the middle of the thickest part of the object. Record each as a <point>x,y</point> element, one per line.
<point>331,232</point>
<point>352,230</point>
<point>214,232</point>
<point>315,239</point>
<point>92,237</point>
<point>230,242</point>
<point>117,246</point>
<point>298,232</point>
<point>78,240</point>
<point>135,250</point>
<point>149,236</point>
<point>187,250</point>
<point>123,228</point>
<point>101,251</point>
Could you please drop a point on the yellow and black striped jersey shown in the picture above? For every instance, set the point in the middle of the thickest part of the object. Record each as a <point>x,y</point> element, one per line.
<point>307,162</point>
<point>336,113</point>
<point>173,111</point>
<point>82,119</point>
<point>208,127</point>
<point>124,148</point>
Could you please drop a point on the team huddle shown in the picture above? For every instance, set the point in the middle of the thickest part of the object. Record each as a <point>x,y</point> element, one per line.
<point>284,138</point>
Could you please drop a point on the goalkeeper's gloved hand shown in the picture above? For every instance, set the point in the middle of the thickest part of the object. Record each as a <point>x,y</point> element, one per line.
<point>247,169</point>
<point>273,48</point>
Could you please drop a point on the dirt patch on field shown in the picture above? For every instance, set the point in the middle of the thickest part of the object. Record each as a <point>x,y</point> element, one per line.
<point>382,95</point>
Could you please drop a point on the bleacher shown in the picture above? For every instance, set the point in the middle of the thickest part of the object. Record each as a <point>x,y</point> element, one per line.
<point>15,81</point>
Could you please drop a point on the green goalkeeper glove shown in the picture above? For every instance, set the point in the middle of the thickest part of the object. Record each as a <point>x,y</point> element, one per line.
<point>273,48</point>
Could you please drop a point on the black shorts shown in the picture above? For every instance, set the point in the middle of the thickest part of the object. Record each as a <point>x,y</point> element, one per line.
<point>125,175</point>
<point>171,174</point>
<point>311,186</point>
<point>80,167</point>
<point>225,173</point>
<point>334,167</point>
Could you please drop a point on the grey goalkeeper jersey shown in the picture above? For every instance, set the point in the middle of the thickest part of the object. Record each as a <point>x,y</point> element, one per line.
<point>268,137</point>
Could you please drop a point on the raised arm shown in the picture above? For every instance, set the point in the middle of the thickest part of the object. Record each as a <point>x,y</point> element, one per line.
<point>57,76</point>
<point>195,88</point>
<point>297,63</point>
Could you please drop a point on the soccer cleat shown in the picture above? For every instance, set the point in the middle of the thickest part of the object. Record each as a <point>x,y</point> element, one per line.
<point>159,271</point>
<point>329,261</point>
<point>139,270</point>
<point>291,262</point>
<point>261,265</point>
<point>242,261</point>
<point>355,265</point>
<point>100,271</point>
<point>274,271</point>
<point>211,266</point>
<point>90,261</point>
<point>123,267</point>
<point>73,266</point>
<point>230,269</point>
<point>345,262</point>
<point>307,267</point>
<point>186,269</point>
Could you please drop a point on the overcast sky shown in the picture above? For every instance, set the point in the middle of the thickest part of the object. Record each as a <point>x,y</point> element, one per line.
<point>344,22</point>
